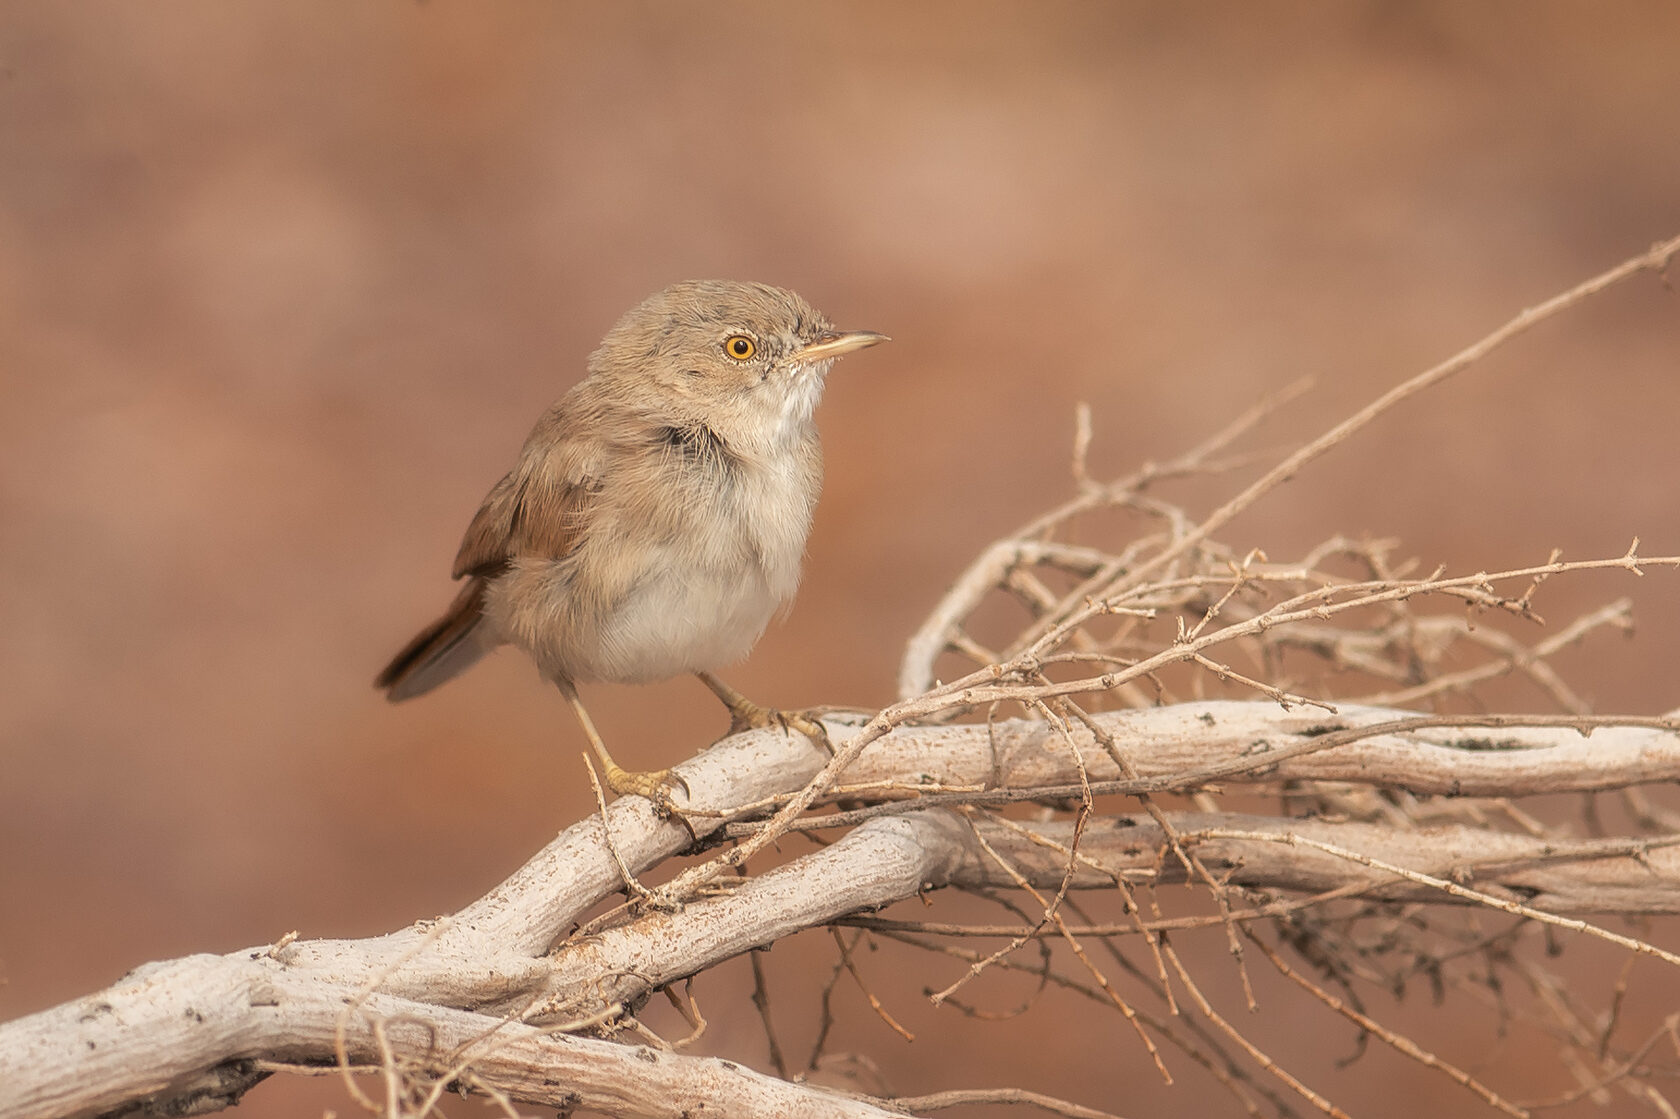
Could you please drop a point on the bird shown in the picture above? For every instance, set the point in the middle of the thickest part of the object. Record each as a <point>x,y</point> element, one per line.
<point>657,515</point>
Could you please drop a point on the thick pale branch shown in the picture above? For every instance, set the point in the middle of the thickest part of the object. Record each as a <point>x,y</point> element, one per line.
<point>491,959</point>
<point>879,863</point>
<point>1584,876</point>
<point>1236,741</point>
<point>875,866</point>
<point>487,954</point>
<point>191,1033</point>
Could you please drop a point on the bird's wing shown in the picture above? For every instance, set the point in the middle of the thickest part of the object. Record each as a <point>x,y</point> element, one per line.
<point>539,508</point>
<point>489,539</point>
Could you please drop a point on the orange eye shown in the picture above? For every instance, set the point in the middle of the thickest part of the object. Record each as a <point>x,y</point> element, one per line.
<point>739,347</point>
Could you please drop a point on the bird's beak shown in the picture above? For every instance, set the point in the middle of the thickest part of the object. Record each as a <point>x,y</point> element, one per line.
<point>835,343</point>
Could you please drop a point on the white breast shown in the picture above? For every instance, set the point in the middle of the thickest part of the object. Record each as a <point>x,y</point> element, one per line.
<point>684,618</point>
<point>699,601</point>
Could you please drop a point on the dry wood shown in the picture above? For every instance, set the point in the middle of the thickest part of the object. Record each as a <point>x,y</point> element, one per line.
<point>168,1027</point>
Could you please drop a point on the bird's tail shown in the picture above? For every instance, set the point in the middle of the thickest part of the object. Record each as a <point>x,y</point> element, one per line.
<point>443,650</point>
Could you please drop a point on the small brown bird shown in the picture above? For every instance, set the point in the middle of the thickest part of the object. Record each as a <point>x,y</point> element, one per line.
<point>657,516</point>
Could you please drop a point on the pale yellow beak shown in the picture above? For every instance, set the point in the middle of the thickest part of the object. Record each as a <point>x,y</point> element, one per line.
<point>834,344</point>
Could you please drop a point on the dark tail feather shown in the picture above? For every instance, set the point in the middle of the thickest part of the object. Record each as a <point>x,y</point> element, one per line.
<point>443,650</point>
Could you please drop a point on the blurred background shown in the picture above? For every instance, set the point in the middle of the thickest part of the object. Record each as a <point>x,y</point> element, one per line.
<point>283,286</point>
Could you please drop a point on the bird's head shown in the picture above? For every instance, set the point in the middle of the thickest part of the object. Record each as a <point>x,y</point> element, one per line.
<point>746,359</point>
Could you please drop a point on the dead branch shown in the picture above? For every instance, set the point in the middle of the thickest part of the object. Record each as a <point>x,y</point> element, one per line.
<point>489,961</point>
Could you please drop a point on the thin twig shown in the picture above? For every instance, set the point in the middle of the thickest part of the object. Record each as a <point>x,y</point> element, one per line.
<point>957,1097</point>
<point>874,1003</point>
<point>1399,1042</point>
<point>761,999</point>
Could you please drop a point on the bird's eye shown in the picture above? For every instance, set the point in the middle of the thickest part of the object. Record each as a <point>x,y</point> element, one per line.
<point>739,347</point>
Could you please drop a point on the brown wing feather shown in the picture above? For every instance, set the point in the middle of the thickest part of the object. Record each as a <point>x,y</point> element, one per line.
<point>485,546</point>
<point>535,510</point>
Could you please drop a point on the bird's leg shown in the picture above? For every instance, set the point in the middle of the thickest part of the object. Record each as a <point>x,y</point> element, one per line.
<point>744,714</point>
<point>654,784</point>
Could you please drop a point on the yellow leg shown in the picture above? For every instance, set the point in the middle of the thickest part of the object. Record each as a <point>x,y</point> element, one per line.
<point>655,784</point>
<point>744,714</point>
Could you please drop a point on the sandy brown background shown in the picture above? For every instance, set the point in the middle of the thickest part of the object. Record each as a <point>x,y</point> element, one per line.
<point>284,284</point>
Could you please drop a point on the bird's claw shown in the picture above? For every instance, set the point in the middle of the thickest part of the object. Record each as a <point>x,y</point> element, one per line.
<point>655,785</point>
<point>747,715</point>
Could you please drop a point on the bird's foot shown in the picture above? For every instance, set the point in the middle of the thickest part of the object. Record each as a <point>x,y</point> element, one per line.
<point>654,784</point>
<point>744,714</point>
